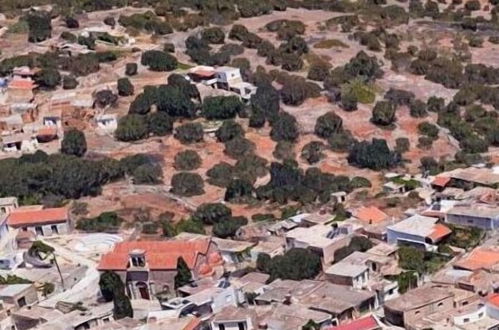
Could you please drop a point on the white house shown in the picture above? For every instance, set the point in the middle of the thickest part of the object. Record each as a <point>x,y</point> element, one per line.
<point>40,221</point>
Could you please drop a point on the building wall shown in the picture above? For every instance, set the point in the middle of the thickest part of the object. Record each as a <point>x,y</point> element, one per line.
<point>470,317</point>
<point>329,251</point>
<point>492,311</point>
<point>232,325</point>
<point>62,228</point>
<point>30,295</point>
<point>478,222</point>
<point>338,279</point>
<point>416,314</point>
<point>393,237</point>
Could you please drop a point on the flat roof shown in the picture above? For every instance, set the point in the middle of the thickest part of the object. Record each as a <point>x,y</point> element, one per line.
<point>14,289</point>
<point>418,225</point>
<point>346,269</point>
<point>476,210</point>
<point>419,297</point>
<point>315,236</point>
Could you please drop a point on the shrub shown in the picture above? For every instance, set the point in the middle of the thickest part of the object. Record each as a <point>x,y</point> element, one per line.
<point>74,143</point>
<point>428,129</point>
<point>296,90</point>
<point>341,142</point>
<point>228,131</point>
<point>131,128</point>
<point>187,184</point>
<point>158,61</point>
<point>312,152</point>
<point>189,133</point>
<point>175,101</point>
<point>214,35</point>
<point>159,123</point>
<point>221,107</point>
<point>220,175</point>
<point>228,228</point>
<point>435,104</point>
<point>284,128</point>
<point>319,71</point>
<point>418,109</point>
<point>402,145</point>
<point>238,190</point>
<point>131,69</point>
<point>296,264</point>
<point>147,174</point>
<point>383,113</point>
<point>72,23</point>
<point>239,147</point>
<point>399,96</point>
<point>211,213</point>
<point>107,221</point>
<point>328,124</point>
<point>69,82</point>
<point>360,182</point>
<point>125,87</point>
<point>39,26</point>
<point>374,155</point>
<point>348,102</point>
<point>187,160</point>
<point>284,150</point>
<point>48,78</point>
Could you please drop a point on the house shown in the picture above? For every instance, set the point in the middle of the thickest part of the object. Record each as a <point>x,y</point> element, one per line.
<point>418,303</point>
<point>478,215</point>
<point>8,204</point>
<point>107,122</point>
<point>321,239</point>
<point>228,76</point>
<point>77,319</point>
<point>34,316</point>
<point>206,299</point>
<point>294,316</point>
<point>233,318</point>
<point>235,254</point>
<point>20,90</point>
<point>419,231</point>
<point>40,221</point>
<point>370,215</point>
<point>18,295</point>
<point>440,182</point>
<point>472,176</point>
<point>12,124</point>
<point>486,258</point>
<point>20,142</point>
<point>149,267</point>
<point>272,246</point>
<point>253,283</point>
<point>47,134</point>
<point>364,323</point>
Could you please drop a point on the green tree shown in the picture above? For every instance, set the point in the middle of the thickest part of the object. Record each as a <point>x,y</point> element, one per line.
<point>296,264</point>
<point>39,24</point>
<point>131,69</point>
<point>48,78</point>
<point>312,152</point>
<point>383,113</point>
<point>228,131</point>
<point>187,160</point>
<point>411,258</point>
<point>210,213</point>
<point>328,124</point>
<point>189,133</point>
<point>221,107</point>
<point>74,143</point>
<point>187,184</point>
<point>148,174</point>
<point>228,227</point>
<point>125,87</point>
<point>176,101</point>
<point>183,276</point>
<point>132,128</point>
<point>110,284</point>
<point>158,61</point>
<point>159,123</point>
<point>122,307</point>
<point>284,128</point>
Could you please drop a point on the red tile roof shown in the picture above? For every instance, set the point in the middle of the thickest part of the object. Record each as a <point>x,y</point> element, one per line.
<point>371,214</point>
<point>494,300</point>
<point>19,218</point>
<point>47,131</point>
<point>480,258</point>
<point>22,84</point>
<point>440,181</point>
<point>365,323</point>
<point>159,254</point>
<point>439,232</point>
<point>204,73</point>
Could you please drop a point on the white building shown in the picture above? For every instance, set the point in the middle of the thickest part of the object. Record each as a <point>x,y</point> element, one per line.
<point>40,221</point>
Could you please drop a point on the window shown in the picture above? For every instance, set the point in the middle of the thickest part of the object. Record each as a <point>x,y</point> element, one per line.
<point>466,320</point>
<point>480,314</point>
<point>21,302</point>
<point>54,229</point>
<point>241,326</point>
<point>440,304</point>
<point>221,327</point>
<point>39,230</point>
<point>416,312</point>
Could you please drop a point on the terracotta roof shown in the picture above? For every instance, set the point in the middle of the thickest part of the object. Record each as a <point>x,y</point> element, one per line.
<point>22,84</point>
<point>204,73</point>
<point>159,254</point>
<point>480,258</point>
<point>371,214</point>
<point>441,181</point>
<point>366,323</point>
<point>494,300</point>
<point>47,131</point>
<point>439,231</point>
<point>25,217</point>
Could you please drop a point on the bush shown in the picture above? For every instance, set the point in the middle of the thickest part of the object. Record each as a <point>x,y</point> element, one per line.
<point>175,101</point>
<point>107,221</point>
<point>131,69</point>
<point>296,90</point>
<point>189,133</point>
<point>228,131</point>
<point>105,98</point>
<point>132,128</point>
<point>428,129</point>
<point>228,228</point>
<point>74,143</point>
<point>239,147</point>
<point>69,82</point>
<point>360,182</point>
<point>296,264</point>
<point>399,96</point>
<point>238,191</point>
<point>418,109</point>
<point>341,142</point>
<point>328,124</point>
<point>214,35</point>
<point>147,174</point>
<point>312,152</point>
<point>187,160</point>
<point>187,184</point>
<point>159,123</point>
<point>374,155</point>
<point>435,104</point>
<point>220,175</point>
<point>48,78</point>
<point>402,145</point>
<point>348,102</point>
<point>221,107</point>
<point>125,87</point>
<point>158,61</point>
<point>319,71</point>
<point>39,25</point>
<point>284,128</point>
<point>211,213</point>
<point>383,113</point>
<point>72,23</point>
<point>284,150</point>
